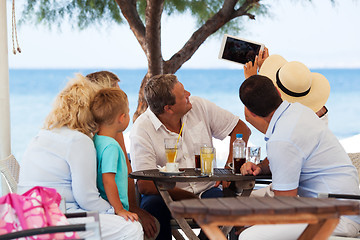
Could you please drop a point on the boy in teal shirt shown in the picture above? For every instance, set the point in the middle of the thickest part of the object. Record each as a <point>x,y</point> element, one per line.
<point>110,108</point>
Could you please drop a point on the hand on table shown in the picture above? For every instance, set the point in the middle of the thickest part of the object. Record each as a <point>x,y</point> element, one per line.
<point>250,168</point>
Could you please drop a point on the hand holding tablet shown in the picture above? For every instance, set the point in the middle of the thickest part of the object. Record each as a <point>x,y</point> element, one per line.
<point>239,50</point>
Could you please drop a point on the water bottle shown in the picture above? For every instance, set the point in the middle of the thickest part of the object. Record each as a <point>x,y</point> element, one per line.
<point>239,154</point>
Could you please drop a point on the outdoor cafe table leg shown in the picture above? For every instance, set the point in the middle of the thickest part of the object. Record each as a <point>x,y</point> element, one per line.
<point>322,230</point>
<point>213,232</point>
<point>245,188</point>
<point>162,188</point>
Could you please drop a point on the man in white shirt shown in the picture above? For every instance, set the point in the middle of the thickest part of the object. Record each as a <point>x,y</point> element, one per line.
<point>170,107</point>
<point>305,158</point>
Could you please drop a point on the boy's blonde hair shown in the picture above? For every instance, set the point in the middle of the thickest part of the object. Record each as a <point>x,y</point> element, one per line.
<point>105,79</point>
<point>72,107</point>
<point>107,104</point>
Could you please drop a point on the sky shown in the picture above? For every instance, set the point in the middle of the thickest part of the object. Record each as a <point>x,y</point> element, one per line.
<point>319,34</point>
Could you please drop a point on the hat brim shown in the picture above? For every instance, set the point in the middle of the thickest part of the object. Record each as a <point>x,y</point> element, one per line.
<point>318,95</point>
<point>319,91</point>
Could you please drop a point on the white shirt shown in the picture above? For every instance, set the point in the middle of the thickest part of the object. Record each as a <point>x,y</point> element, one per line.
<point>303,153</point>
<point>204,121</point>
<point>64,159</point>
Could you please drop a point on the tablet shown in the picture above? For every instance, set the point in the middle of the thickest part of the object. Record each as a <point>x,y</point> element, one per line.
<point>239,50</point>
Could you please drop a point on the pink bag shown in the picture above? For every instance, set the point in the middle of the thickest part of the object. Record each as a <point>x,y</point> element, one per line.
<point>38,207</point>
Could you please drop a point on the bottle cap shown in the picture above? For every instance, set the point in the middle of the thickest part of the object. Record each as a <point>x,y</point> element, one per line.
<point>239,135</point>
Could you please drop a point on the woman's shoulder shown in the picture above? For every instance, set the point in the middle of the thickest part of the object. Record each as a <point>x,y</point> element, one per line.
<point>65,134</point>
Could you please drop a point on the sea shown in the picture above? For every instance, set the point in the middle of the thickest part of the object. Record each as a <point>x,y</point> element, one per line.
<point>32,92</point>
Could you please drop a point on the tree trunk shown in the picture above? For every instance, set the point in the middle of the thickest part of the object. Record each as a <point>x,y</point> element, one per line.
<point>154,9</point>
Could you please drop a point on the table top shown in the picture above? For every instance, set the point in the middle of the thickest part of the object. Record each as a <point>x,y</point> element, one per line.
<point>193,175</point>
<point>244,206</point>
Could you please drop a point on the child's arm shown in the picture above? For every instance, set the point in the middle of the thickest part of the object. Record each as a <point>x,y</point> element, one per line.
<point>112,194</point>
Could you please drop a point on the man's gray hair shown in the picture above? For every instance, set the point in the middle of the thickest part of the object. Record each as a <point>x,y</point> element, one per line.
<point>158,92</point>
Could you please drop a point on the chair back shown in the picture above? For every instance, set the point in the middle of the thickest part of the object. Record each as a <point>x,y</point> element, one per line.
<point>9,168</point>
<point>355,159</point>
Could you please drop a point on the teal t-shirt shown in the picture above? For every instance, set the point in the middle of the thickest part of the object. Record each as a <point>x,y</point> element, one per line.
<point>111,159</point>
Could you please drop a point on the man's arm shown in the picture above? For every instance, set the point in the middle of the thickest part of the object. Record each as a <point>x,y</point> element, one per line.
<point>289,193</point>
<point>264,166</point>
<point>147,187</point>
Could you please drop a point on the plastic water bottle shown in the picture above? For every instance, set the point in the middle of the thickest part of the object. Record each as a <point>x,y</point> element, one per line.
<point>239,154</point>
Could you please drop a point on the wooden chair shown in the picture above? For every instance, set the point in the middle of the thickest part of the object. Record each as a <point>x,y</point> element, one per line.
<point>355,159</point>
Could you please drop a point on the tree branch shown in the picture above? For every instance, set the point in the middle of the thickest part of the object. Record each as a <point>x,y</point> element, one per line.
<point>245,8</point>
<point>224,15</point>
<point>128,9</point>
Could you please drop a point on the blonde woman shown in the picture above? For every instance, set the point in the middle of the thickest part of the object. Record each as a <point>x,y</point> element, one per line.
<point>106,79</point>
<point>62,156</point>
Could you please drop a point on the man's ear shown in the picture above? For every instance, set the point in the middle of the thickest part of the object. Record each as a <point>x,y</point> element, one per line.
<point>167,108</point>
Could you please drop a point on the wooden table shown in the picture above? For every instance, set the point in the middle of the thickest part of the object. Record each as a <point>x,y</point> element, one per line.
<point>243,185</point>
<point>322,215</point>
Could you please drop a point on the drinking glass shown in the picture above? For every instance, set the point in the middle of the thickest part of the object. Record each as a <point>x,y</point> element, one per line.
<point>207,156</point>
<point>171,149</point>
<point>253,154</point>
<point>197,147</point>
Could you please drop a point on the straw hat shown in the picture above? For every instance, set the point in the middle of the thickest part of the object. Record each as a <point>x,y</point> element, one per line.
<point>296,83</point>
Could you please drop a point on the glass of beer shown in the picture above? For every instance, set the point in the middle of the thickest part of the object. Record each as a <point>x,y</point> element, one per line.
<point>207,157</point>
<point>171,148</point>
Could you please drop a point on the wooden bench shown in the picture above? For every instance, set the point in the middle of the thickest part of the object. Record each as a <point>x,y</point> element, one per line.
<point>322,215</point>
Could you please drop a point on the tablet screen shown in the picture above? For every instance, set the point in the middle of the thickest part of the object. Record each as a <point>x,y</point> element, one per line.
<point>239,50</point>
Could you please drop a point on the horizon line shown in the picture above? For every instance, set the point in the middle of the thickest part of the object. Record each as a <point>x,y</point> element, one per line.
<point>143,68</point>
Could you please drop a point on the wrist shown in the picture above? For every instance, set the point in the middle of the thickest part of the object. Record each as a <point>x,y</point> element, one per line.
<point>117,211</point>
<point>261,168</point>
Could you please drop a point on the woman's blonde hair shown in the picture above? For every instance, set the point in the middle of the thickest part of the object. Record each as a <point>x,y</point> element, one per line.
<point>105,79</point>
<point>72,107</point>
